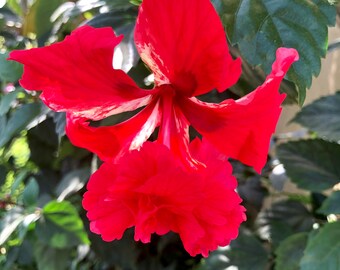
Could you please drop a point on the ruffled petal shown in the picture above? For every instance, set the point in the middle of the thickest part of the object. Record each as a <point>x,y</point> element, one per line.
<point>220,213</point>
<point>149,189</point>
<point>110,142</point>
<point>205,152</point>
<point>242,129</point>
<point>184,43</point>
<point>76,75</point>
<point>108,214</point>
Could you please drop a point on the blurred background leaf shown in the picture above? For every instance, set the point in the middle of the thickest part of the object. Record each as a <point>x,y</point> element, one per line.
<point>322,116</point>
<point>260,27</point>
<point>290,252</point>
<point>60,226</point>
<point>322,251</point>
<point>331,205</point>
<point>9,71</point>
<point>311,164</point>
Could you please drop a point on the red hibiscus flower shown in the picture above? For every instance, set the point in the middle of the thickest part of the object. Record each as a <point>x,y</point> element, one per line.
<point>188,55</point>
<point>149,189</point>
<point>168,185</point>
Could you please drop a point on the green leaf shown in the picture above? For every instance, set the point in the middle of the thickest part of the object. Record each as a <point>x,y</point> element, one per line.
<point>124,252</point>
<point>290,252</point>
<point>61,226</point>
<point>12,255</point>
<point>18,121</point>
<point>27,223</point>
<point>31,192</point>
<point>249,247</point>
<point>217,4</point>
<point>72,182</point>
<point>3,122</point>
<point>331,205</point>
<point>14,5</point>
<point>322,116</point>
<point>3,174</point>
<point>18,180</point>
<point>283,219</point>
<point>260,27</point>
<point>114,19</point>
<point>276,231</point>
<point>38,18</point>
<point>25,254</point>
<point>311,164</point>
<point>136,2</point>
<point>43,143</point>
<point>9,223</point>
<point>49,258</point>
<point>252,192</point>
<point>10,71</point>
<point>323,249</point>
<point>6,102</point>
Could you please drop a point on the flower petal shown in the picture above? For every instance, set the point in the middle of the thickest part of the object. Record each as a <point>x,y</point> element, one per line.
<point>110,142</point>
<point>242,129</point>
<point>220,213</point>
<point>108,215</point>
<point>174,129</point>
<point>76,75</point>
<point>218,163</point>
<point>184,43</point>
<point>150,190</point>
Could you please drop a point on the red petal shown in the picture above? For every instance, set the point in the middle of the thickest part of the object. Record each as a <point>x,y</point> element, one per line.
<point>219,212</point>
<point>217,162</point>
<point>148,189</point>
<point>174,129</point>
<point>242,129</point>
<point>76,75</point>
<point>184,43</point>
<point>108,214</point>
<point>109,142</point>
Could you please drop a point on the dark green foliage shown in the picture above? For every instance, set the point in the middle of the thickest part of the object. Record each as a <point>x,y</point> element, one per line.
<point>248,246</point>
<point>60,226</point>
<point>282,220</point>
<point>31,192</point>
<point>38,18</point>
<point>331,205</point>
<point>322,116</point>
<point>9,71</point>
<point>310,163</point>
<point>17,121</point>
<point>49,258</point>
<point>290,252</point>
<point>259,27</point>
<point>322,251</point>
<point>43,143</point>
<point>7,101</point>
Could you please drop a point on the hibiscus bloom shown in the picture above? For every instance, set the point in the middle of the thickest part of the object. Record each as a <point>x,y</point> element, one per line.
<point>169,184</point>
<point>149,189</point>
<point>183,43</point>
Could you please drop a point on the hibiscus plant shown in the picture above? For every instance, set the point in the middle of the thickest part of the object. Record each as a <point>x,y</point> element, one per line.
<point>141,135</point>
